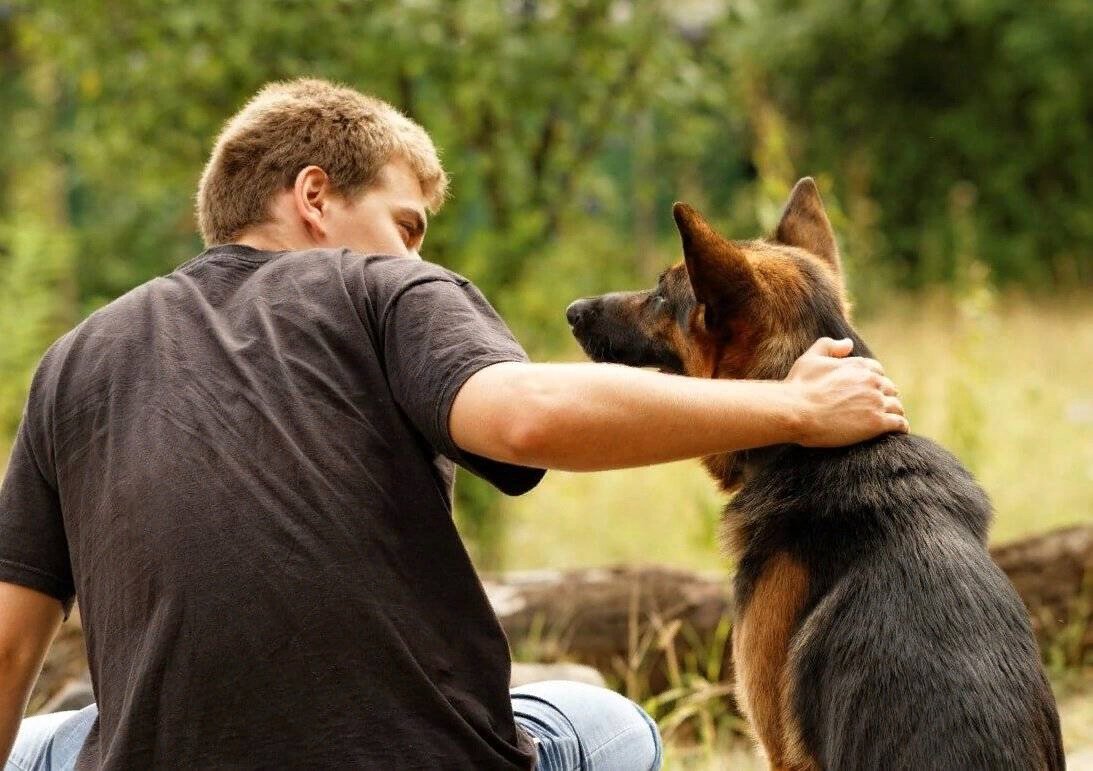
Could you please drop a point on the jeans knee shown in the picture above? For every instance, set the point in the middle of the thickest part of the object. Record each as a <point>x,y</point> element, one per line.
<point>654,733</point>
<point>637,744</point>
<point>615,733</point>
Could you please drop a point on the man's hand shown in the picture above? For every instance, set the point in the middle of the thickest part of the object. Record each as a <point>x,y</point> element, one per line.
<point>845,399</point>
<point>28,621</point>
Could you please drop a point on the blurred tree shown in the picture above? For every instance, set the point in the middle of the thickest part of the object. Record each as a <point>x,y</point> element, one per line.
<point>524,99</point>
<point>911,100</point>
<point>37,291</point>
<point>569,127</point>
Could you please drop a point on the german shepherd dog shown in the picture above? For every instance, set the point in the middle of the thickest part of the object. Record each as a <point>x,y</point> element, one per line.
<point>872,630</point>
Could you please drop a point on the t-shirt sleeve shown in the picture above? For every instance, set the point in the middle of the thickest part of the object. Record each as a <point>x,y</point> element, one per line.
<point>437,332</point>
<point>33,549</point>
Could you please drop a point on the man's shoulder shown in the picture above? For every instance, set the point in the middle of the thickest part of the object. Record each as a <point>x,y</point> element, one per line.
<point>397,271</point>
<point>384,279</point>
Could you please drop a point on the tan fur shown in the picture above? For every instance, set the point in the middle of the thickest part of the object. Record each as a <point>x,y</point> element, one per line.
<point>766,334</point>
<point>761,641</point>
<point>805,224</point>
<point>697,350</point>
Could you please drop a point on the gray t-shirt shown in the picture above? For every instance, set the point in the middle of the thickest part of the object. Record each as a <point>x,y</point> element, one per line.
<point>243,471</point>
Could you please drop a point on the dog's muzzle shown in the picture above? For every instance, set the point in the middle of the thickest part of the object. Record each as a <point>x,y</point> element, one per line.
<point>581,313</point>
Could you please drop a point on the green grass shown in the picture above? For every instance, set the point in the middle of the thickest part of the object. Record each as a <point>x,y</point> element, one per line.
<point>1005,383</point>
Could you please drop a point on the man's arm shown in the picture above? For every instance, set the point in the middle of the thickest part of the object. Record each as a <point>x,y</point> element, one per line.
<point>28,621</point>
<point>589,417</point>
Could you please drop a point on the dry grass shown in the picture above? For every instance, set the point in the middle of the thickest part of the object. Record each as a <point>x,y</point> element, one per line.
<point>1006,384</point>
<point>1075,708</point>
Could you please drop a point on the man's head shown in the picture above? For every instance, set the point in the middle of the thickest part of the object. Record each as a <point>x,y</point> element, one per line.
<point>306,163</point>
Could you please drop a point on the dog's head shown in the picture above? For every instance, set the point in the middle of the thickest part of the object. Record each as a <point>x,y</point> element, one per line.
<point>729,309</point>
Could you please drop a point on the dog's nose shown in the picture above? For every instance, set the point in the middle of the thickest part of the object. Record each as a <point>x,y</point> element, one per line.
<point>578,311</point>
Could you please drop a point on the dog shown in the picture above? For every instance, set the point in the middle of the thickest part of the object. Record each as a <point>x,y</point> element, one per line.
<point>871,628</point>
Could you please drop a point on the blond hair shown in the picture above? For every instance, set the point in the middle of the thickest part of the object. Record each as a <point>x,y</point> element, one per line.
<point>290,125</point>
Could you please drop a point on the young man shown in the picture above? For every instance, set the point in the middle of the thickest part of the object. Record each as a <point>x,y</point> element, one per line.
<point>243,471</point>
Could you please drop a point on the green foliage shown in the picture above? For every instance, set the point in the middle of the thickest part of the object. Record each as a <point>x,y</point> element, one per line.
<point>568,129</point>
<point>32,275</point>
<point>903,101</point>
<point>496,84</point>
<point>36,248</point>
<point>478,516</point>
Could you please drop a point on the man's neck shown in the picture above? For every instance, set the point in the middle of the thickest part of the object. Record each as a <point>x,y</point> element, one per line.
<point>269,238</point>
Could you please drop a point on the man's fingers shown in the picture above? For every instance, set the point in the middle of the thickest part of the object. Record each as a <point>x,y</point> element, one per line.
<point>893,406</point>
<point>825,346</point>
<point>870,364</point>
<point>888,388</point>
<point>897,423</point>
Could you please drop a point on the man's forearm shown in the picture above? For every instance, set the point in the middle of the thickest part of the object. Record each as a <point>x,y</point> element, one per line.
<point>15,687</point>
<point>588,417</point>
<point>28,622</point>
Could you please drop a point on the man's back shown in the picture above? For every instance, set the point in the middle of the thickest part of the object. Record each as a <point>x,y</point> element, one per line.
<point>259,527</point>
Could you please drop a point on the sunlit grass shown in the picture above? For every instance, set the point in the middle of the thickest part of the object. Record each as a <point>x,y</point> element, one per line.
<point>1007,385</point>
<point>734,753</point>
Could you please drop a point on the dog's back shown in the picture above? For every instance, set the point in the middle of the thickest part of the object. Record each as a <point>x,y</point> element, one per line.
<point>912,650</point>
<point>872,629</point>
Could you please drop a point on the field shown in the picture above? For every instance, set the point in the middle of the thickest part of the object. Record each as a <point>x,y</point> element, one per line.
<point>1004,383</point>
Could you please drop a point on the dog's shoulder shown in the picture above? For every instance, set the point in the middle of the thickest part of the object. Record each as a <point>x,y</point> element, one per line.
<point>903,598</point>
<point>861,494</point>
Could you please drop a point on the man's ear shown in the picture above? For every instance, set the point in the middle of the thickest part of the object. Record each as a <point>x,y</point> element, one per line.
<point>310,195</point>
<point>804,224</point>
<point>721,276</point>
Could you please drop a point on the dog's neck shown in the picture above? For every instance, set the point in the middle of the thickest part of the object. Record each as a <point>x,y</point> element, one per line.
<point>733,470</point>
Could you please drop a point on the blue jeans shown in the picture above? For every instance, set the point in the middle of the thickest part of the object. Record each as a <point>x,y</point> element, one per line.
<point>577,727</point>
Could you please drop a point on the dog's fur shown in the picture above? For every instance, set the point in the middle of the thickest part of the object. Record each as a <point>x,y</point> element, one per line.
<point>872,629</point>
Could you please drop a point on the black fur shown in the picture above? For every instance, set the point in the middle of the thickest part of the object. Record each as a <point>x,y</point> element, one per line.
<point>610,336</point>
<point>913,651</point>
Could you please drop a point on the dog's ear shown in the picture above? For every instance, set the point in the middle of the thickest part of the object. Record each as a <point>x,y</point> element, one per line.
<point>805,224</point>
<point>720,274</point>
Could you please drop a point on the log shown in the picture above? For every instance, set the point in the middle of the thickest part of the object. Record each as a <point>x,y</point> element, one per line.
<point>650,627</point>
<point>642,626</point>
<point>630,622</point>
<point>1053,573</point>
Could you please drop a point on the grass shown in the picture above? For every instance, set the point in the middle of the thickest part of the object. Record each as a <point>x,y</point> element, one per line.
<point>733,754</point>
<point>1005,383</point>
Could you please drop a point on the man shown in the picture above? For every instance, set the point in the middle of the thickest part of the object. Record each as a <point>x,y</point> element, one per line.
<point>243,471</point>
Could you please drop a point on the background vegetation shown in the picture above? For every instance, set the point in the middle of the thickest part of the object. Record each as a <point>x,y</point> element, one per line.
<point>953,143</point>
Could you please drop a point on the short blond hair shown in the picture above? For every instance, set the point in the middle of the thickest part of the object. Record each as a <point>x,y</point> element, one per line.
<point>290,125</point>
